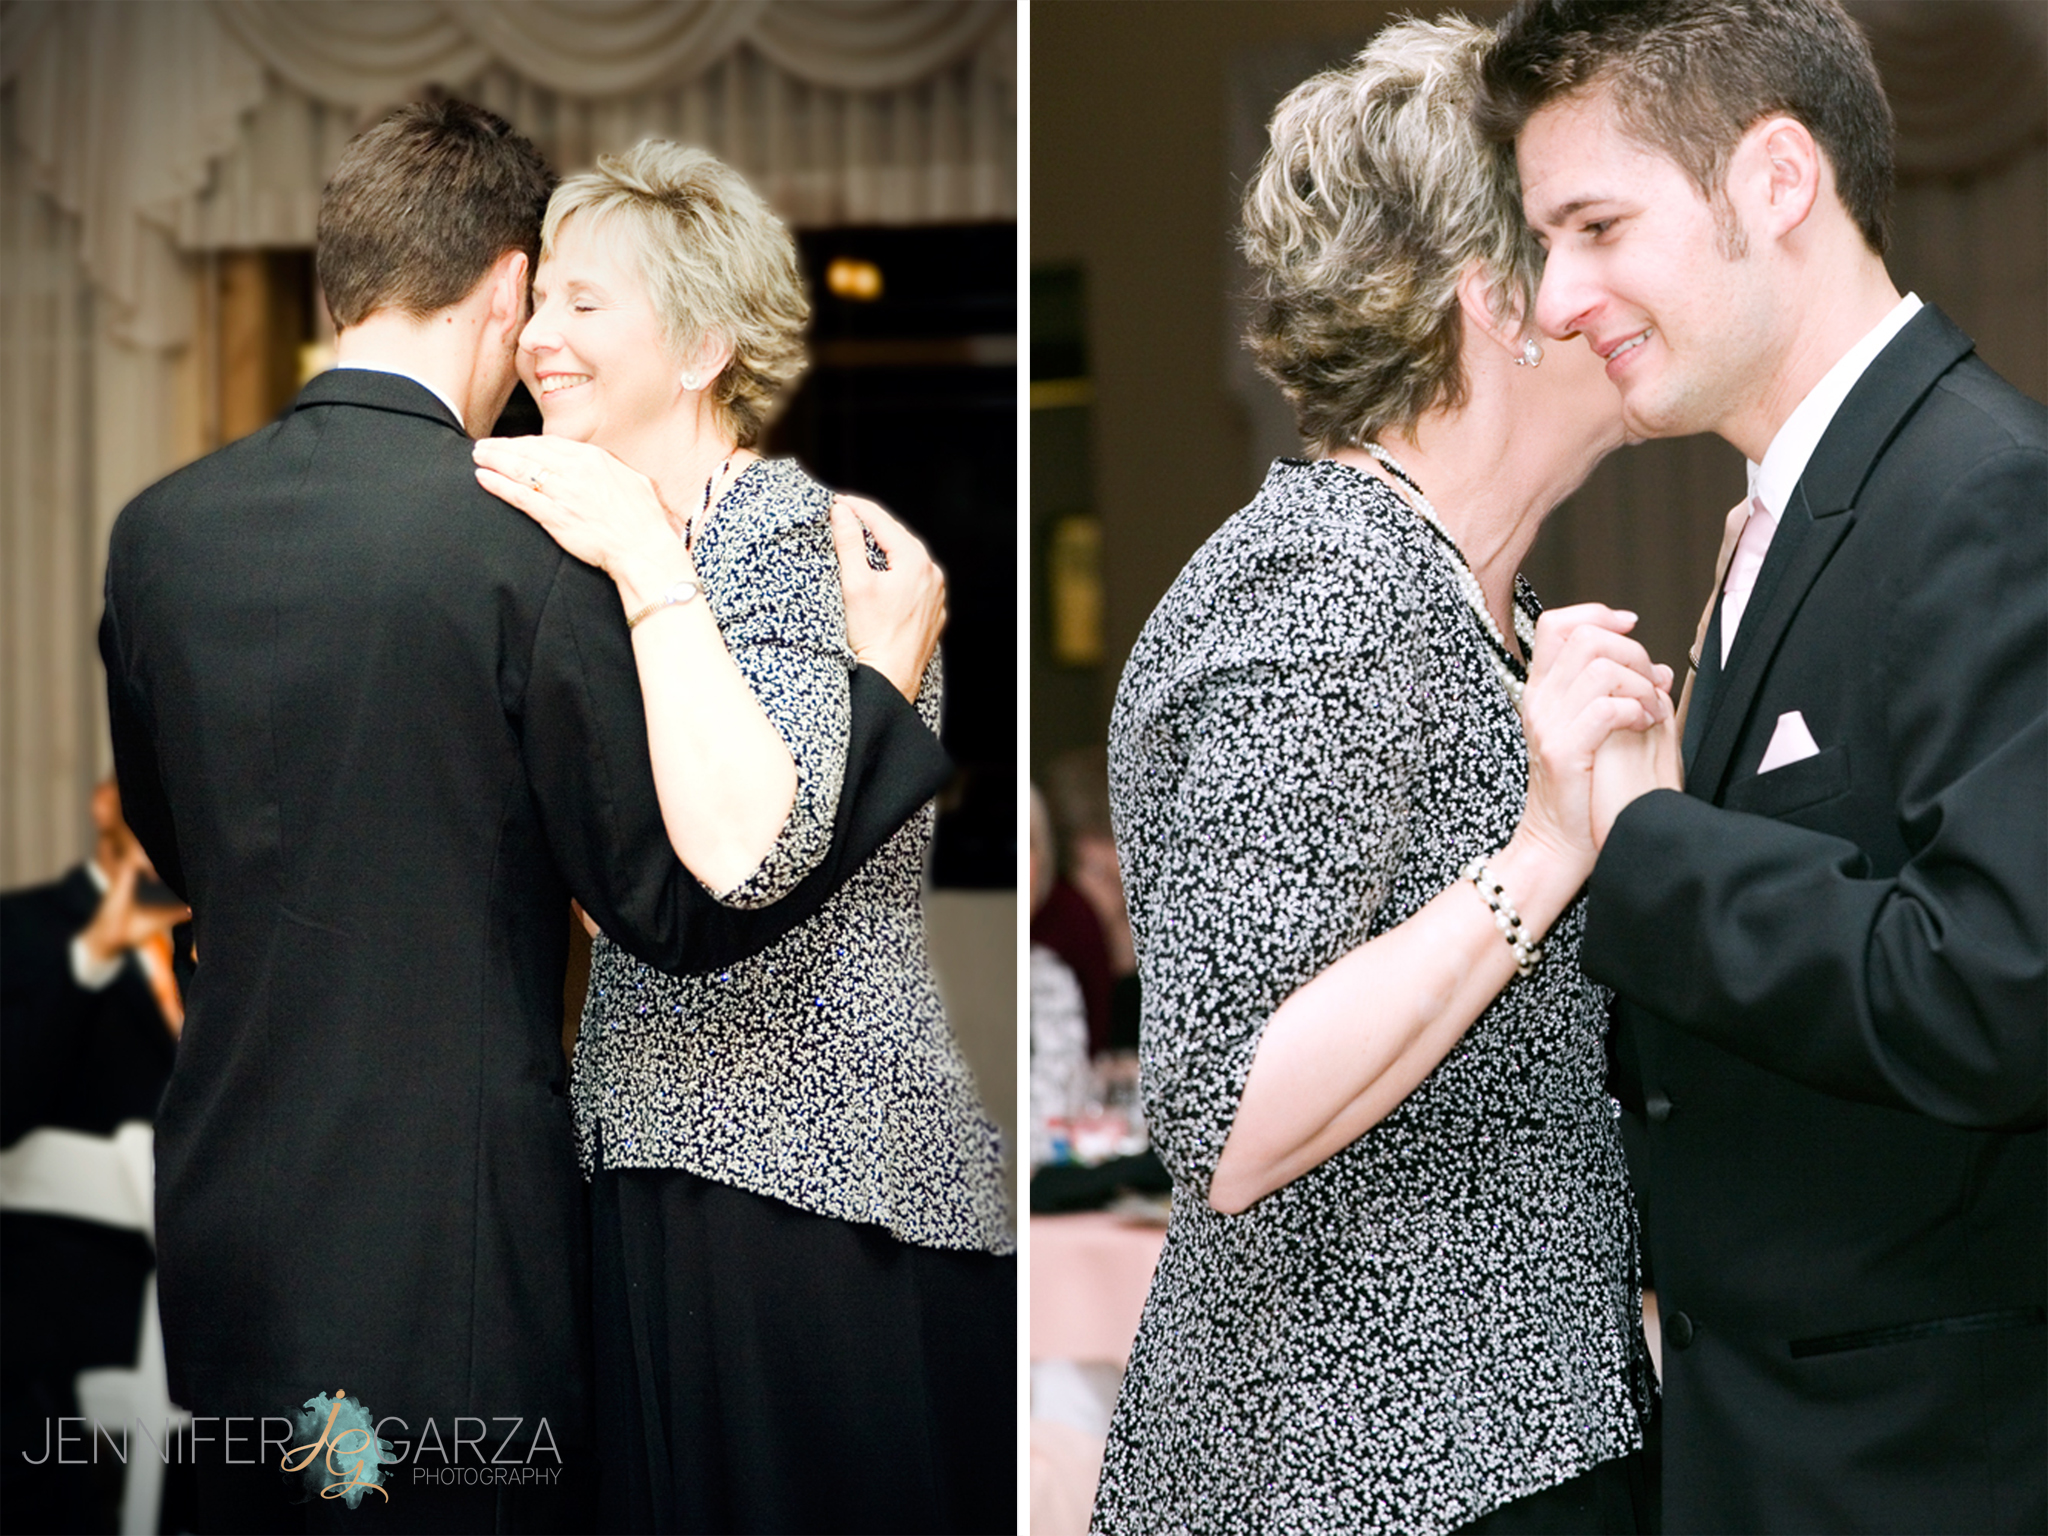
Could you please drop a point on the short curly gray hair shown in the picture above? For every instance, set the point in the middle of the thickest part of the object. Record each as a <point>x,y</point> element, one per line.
<point>1377,193</point>
<point>716,261</point>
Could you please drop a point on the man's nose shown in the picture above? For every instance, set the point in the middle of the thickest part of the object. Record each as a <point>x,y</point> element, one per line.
<point>1563,300</point>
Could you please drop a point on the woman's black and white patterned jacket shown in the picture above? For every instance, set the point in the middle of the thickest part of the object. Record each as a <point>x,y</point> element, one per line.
<point>1308,742</point>
<point>820,1072</point>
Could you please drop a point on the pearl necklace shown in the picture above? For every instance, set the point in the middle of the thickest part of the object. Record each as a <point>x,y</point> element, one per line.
<point>1511,670</point>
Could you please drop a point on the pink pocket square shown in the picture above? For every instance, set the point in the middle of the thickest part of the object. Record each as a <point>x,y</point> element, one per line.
<point>1790,743</point>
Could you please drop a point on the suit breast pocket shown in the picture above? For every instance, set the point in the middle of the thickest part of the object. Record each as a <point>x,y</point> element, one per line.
<point>1795,786</point>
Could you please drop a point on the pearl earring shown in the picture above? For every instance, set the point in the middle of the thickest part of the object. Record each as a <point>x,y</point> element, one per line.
<point>1532,354</point>
<point>691,381</point>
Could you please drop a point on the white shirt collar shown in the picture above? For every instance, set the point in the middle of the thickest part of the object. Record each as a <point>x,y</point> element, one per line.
<point>1785,460</point>
<point>99,876</point>
<point>406,373</point>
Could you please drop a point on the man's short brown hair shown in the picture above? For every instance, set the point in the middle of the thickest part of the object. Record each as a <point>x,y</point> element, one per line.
<point>1690,77</point>
<point>420,207</point>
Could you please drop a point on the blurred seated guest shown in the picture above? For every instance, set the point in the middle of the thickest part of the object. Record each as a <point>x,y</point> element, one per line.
<point>1083,919</point>
<point>1077,790</point>
<point>92,1009</point>
<point>89,1019</point>
<point>1059,1026</point>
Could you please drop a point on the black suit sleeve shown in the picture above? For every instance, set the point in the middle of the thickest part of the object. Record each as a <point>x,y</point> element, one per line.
<point>144,805</point>
<point>1925,989</point>
<point>585,744</point>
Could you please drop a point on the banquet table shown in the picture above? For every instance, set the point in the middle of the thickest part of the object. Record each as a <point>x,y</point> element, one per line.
<point>1089,1276</point>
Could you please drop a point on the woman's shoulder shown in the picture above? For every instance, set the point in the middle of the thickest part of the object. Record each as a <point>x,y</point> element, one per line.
<point>1312,590</point>
<point>1320,546</point>
<point>770,496</point>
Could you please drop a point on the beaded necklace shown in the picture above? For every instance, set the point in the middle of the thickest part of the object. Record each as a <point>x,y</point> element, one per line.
<point>1512,671</point>
<point>690,531</point>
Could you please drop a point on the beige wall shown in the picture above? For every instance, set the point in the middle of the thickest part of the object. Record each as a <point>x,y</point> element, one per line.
<point>1128,152</point>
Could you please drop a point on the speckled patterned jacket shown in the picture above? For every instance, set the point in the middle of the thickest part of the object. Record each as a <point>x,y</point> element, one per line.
<point>1308,742</point>
<point>821,1072</point>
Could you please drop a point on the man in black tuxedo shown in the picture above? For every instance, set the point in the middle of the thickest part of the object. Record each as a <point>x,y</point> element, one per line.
<point>378,730</point>
<point>89,1014</point>
<point>1830,949</point>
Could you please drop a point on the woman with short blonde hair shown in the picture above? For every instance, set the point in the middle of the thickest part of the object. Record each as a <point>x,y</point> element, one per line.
<point>804,1276</point>
<point>715,260</point>
<point>1350,776</point>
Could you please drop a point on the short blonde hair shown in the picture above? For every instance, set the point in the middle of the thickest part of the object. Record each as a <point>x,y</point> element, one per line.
<point>1376,194</point>
<point>716,261</point>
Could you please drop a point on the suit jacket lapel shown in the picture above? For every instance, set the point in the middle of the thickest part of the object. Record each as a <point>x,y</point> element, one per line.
<point>1821,513</point>
<point>1799,551</point>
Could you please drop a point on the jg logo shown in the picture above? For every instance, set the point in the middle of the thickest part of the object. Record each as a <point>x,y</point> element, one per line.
<point>347,1471</point>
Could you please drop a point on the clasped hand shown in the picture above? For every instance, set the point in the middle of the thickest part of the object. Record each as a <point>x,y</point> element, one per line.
<point>123,921</point>
<point>1600,725</point>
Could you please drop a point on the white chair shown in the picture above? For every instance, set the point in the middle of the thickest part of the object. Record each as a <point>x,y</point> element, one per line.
<point>109,1180</point>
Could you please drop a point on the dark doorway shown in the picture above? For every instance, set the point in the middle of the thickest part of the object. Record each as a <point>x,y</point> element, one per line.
<point>912,400</point>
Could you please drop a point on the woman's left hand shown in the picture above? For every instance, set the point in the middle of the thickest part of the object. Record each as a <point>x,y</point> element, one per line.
<point>596,508</point>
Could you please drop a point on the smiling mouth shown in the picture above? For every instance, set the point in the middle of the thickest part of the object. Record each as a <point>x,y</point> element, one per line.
<point>555,383</point>
<point>1629,346</point>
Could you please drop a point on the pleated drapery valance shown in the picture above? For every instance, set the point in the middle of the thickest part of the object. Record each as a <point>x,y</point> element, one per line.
<point>168,128</point>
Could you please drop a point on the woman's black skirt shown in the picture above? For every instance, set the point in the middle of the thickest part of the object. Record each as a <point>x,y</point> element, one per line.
<point>762,1368</point>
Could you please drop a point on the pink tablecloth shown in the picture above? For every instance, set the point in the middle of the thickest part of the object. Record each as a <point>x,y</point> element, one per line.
<point>1089,1276</point>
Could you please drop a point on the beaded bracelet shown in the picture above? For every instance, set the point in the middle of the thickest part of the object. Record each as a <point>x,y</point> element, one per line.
<point>1528,953</point>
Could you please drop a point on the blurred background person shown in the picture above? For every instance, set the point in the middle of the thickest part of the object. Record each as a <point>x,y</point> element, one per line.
<point>1083,919</point>
<point>1059,1018</point>
<point>89,1019</point>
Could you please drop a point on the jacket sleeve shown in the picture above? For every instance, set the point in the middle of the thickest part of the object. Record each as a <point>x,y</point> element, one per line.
<point>144,805</point>
<point>1925,989</point>
<point>1271,855</point>
<point>584,740</point>
<point>783,619</point>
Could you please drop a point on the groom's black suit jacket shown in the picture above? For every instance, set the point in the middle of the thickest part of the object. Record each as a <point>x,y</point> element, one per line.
<point>1832,976</point>
<point>377,729</point>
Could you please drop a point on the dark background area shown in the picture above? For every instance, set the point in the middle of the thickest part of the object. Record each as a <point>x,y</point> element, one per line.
<point>911,400</point>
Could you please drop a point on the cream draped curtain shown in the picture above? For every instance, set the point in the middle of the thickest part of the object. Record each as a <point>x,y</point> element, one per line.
<point>138,135</point>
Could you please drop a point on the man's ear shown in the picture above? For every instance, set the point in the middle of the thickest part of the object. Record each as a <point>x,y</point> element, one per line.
<point>1775,175</point>
<point>508,288</point>
<point>1476,299</point>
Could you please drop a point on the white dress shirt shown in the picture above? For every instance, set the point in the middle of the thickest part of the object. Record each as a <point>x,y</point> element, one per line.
<point>94,975</point>
<point>1784,462</point>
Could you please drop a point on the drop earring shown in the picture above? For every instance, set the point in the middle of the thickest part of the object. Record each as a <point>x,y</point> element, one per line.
<point>1532,354</point>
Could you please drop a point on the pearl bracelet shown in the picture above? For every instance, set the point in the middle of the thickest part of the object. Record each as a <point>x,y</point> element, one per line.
<point>1528,953</point>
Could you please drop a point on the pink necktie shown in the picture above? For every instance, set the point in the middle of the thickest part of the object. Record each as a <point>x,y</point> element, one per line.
<point>1748,559</point>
